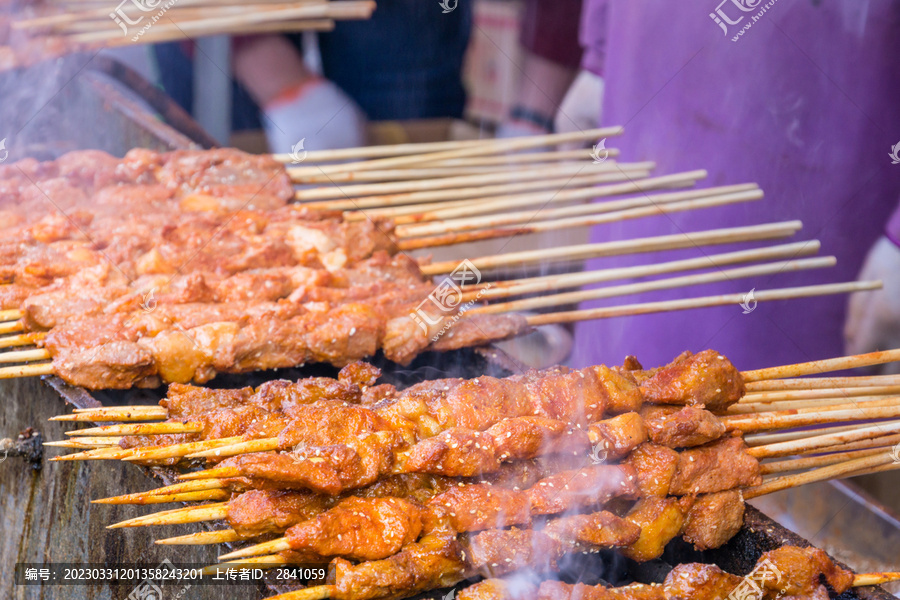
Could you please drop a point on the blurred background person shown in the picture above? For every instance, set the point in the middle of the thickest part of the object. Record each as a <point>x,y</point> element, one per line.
<point>403,63</point>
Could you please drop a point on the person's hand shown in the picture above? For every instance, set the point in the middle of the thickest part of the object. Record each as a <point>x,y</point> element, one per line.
<point>580,109</point>
<point>873,319</point>
<point>320,114</point>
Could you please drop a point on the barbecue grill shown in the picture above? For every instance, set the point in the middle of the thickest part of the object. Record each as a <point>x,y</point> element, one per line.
<point>50,506</point>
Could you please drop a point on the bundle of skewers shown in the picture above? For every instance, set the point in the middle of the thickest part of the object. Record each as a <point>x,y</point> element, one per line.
<point>171,268</point>
<point>48,29</point>
<point>405,491</point>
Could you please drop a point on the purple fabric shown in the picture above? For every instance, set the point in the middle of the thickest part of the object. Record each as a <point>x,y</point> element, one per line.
<point>893,228</point>
<point>805,104</point>
<point>550,30</point>
<point>592,35</point>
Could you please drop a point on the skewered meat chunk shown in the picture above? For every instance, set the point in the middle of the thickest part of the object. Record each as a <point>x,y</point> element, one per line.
<point>529,437</point>
<point>471,331</point>
<point>706,379</point>
<point>437,560</point>
<point>359,529</point>
<point>717,466</point>
<point>681,428</point>
<point>557,590</point>
<point>591,486</point>
<point>659,520</point>
<point>481,506</point>
<point>256,512</point>
<point>714,519</point>
<point>618,436</point>
<point>699,582</point>
<point>455,452</point>
<point>324,469</point>
<point>623,393</point>
<point>655,466</point>
<point>499,552</point>
<point>498,589</point>
<point>592,531</point>
<point>800,571</point>
<point>329,422</point>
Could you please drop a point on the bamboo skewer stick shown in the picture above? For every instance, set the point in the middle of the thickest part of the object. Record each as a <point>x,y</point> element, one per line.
<point>392,193</point>
<point>538,179</point>
<point>79,12</point>
<point>872,409</point>
<point>820,474</point>
<point>820,442</point>
<point>222,536</point>
<point>823,366</point>
<point>113,453</point>
<point>800,464</point>
<point>701,302</point>
<point>618,248</point>
<point>349,9</point>
<point>543,283</point>
<point>548,157</point>
<point>200,496</point>
<point>498,146</point>
<point>26,371</point>
<point>555,196</point>
<point>121,414</point>
<point>842,386</point>
<point>23,339</point>
<point>774,438</point>
<point>177,488</point>
<point>404,174</point>
<point>659,284</point>
<point>179,450</point>
<point>166,428</point>
<point>573,189</point>
<point>388,150</point>
<point>748,408</point>
<point>422,224</point>
<point>538,227</point>
<point>780,385</point>
<point>11,327</point>
<point>24,356</point>
<point>178,516</point>
<point>85,443</point>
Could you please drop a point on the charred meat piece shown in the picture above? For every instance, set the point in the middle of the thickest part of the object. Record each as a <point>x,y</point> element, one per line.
<point>801,571</point>
<point>618,436</point>
<point>435,561</point>
<point>482,506</point>
<point>700,582</point>
<point>359,529</point>
<point>455,453</point>
<point>706,379</point>
<point>715,467</point>
<point>256,512</point>
<point>714,519</point>
<point>498,589</point>
<point>656,467</point>
<point>529,437</point>
<point>659,520</point>
<point>590,486</point>
<point>682,428</point>
<point>557,590</point>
